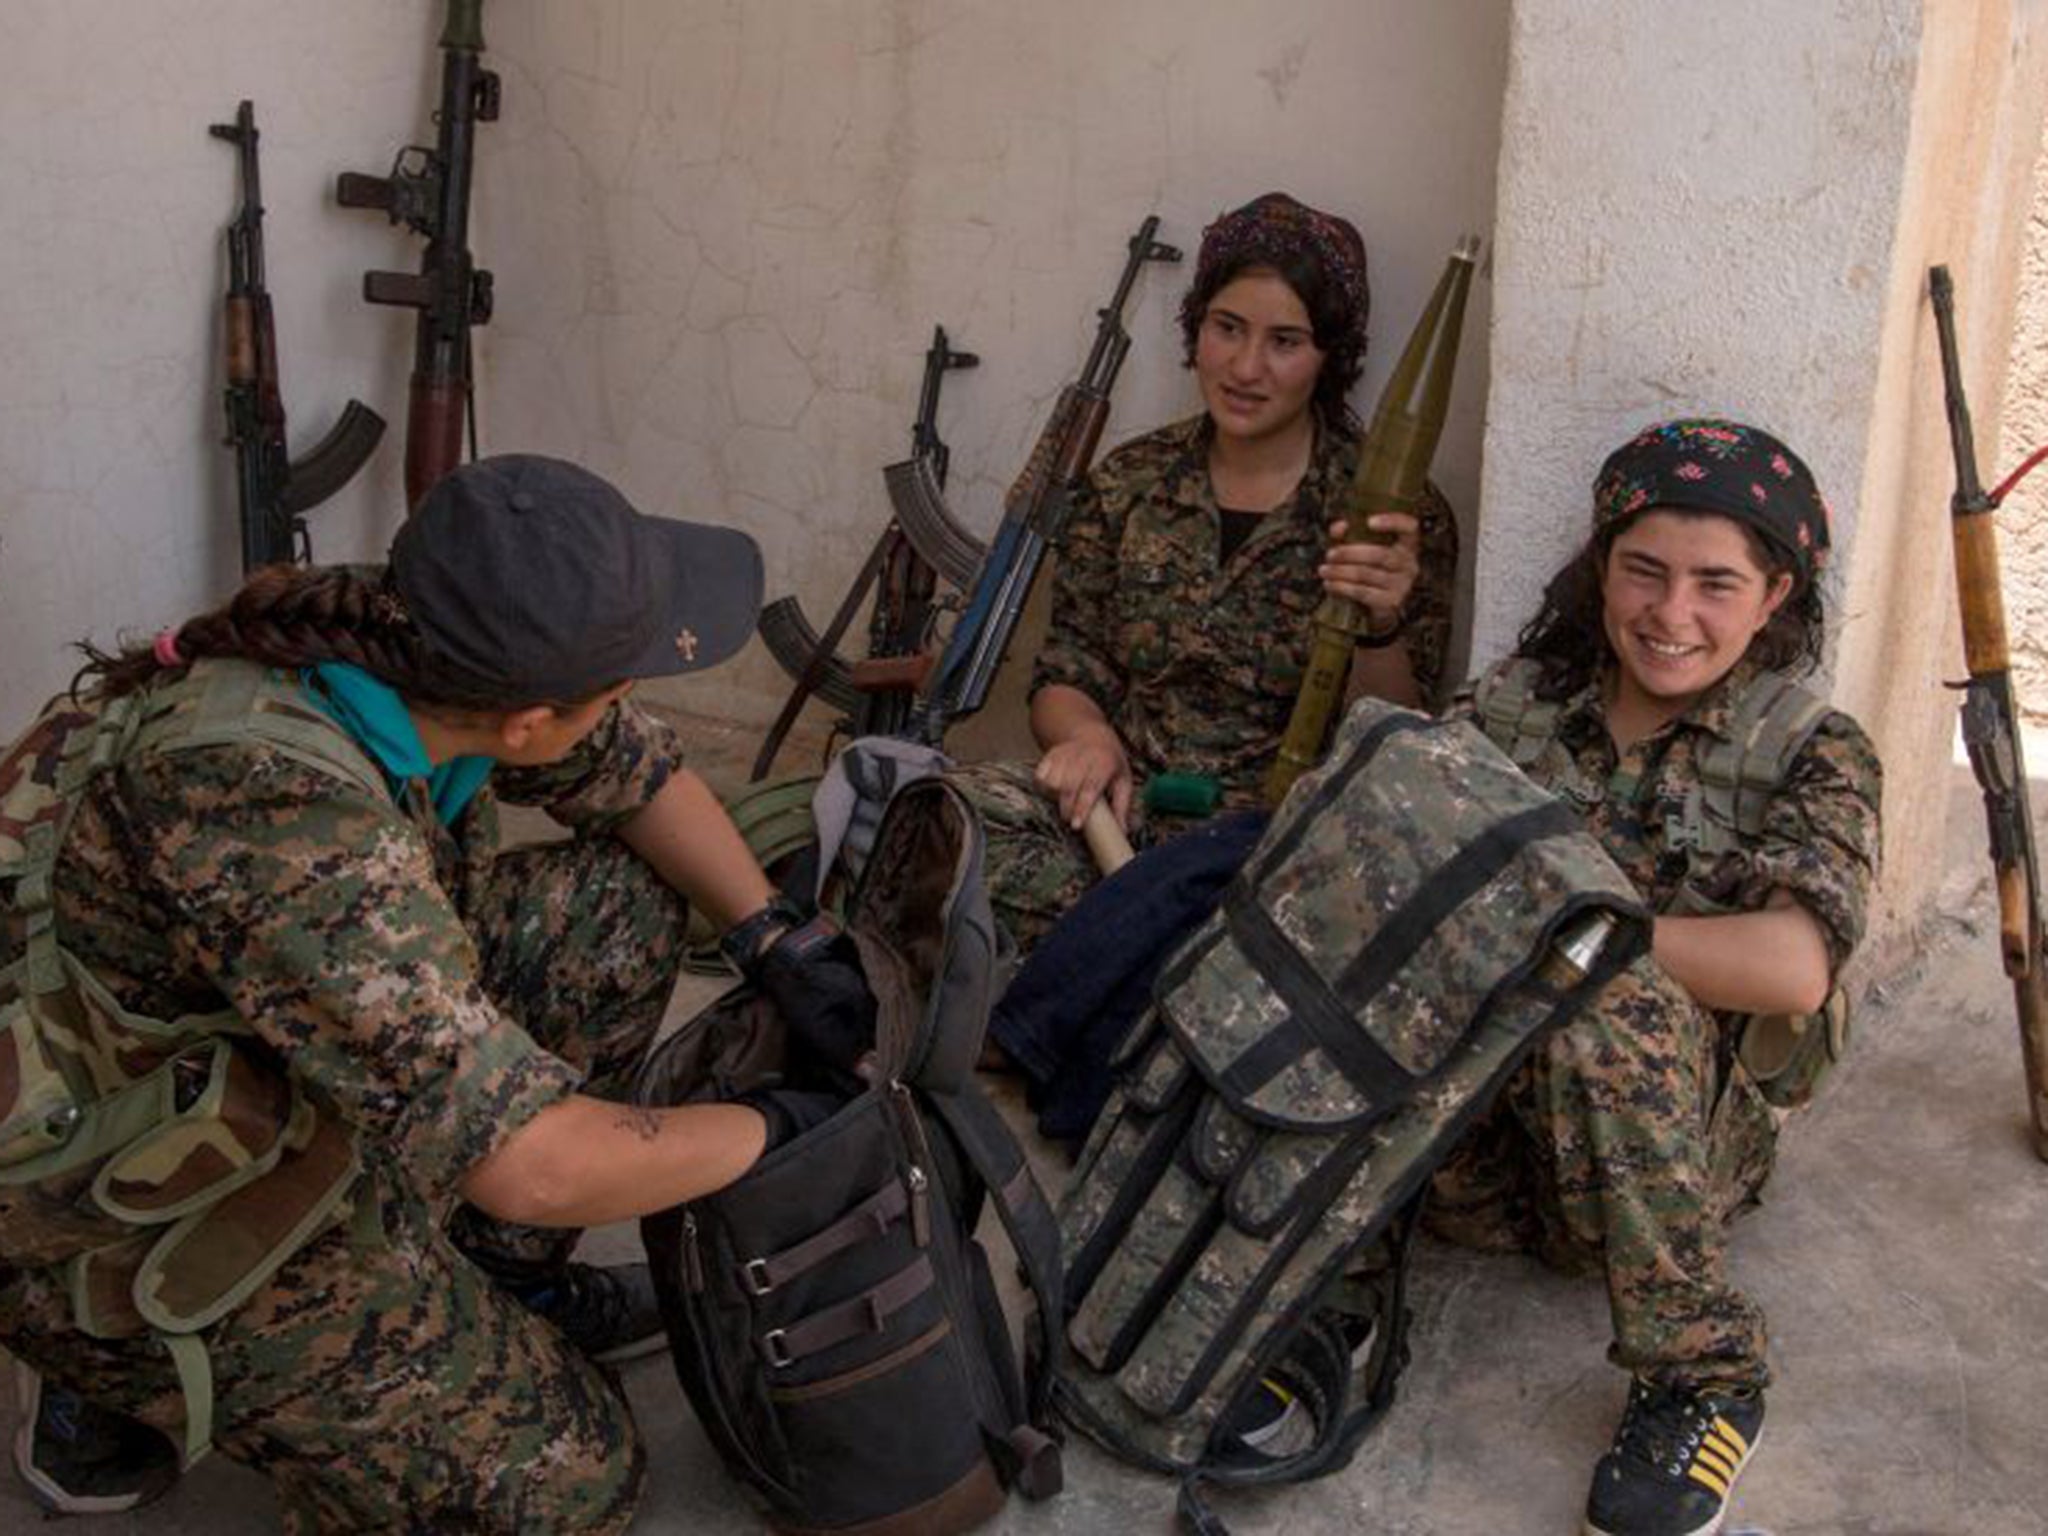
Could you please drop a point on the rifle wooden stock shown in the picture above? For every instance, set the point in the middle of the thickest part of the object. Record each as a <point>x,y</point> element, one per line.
<point>1087,413</point>
<point>435,407</point>
<point>1990,722</point>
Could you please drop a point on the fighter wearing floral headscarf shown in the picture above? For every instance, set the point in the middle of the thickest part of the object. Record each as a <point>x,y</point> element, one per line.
<point>1652,692</point>
<point>1196,555</point>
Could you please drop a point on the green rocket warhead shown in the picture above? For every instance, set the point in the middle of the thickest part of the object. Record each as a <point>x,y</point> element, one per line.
<point>1393,473</point>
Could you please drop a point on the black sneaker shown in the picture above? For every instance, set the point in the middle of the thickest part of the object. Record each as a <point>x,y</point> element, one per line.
<point>609,1313</point>
<point>1674,1461</point>
<point>80,1459</point>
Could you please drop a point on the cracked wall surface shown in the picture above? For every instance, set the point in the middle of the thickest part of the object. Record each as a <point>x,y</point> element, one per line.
<point>721,234</point>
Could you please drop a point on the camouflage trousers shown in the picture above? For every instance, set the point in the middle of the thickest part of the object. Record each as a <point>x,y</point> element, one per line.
<point>1035,866</point>
<point>1624,1145</point>
<point>380,1379</point>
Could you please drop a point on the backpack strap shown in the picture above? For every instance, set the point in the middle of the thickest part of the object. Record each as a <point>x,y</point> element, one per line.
<point>235,703</point>
<point>221,1243</point>
<point>1514,719</point>
<point>1345,1398</point>
<point>1525,727</point>
<point>1028,1220</point>
<point>1742,770</point>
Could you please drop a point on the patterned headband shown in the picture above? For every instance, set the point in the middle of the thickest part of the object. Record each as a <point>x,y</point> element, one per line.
<point>1712,465</point>
<point>1276,228</point>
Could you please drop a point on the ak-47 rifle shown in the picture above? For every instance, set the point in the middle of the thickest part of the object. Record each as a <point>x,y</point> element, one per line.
<point>876,694</point>
<point>1991,717</point>
<point>1034,513</point>
<point>428,190</point>
<point>273,490</point>
<point>1392,476</point>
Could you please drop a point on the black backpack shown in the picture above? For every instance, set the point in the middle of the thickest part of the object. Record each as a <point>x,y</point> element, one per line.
<point>832,1316</point>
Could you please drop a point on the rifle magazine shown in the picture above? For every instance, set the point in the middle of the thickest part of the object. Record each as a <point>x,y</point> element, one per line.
<point>934,532</point>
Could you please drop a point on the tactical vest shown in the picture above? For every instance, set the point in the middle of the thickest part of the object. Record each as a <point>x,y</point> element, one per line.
<point>1788,1055</point>
<point>164,1165</point>
<point>1416,917</point>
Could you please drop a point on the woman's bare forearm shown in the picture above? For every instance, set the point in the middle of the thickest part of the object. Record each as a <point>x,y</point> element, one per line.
<point>584,1161</point>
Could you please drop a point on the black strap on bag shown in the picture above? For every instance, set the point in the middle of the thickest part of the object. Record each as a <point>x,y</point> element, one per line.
<point>1028,1220</point>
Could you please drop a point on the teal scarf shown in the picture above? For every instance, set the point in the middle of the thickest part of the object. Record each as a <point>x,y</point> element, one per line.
<point>374,714</point>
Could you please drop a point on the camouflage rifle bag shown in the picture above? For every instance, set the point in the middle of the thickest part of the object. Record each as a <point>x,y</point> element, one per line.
<point>832,1315</point>
<point>1415,918</point>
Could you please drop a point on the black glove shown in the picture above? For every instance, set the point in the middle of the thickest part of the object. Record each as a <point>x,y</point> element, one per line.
<point>791,1111</point>
<point>813,977</point>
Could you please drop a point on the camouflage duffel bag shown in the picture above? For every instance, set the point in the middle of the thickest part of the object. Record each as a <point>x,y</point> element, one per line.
<point>1417,915</point>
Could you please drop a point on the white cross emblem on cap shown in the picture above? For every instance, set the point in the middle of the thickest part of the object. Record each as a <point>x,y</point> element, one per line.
<point>686,644</point>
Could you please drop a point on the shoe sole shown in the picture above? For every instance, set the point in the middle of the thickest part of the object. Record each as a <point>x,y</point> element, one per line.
<point>53,1498</point>
<point>1588,1528</point>
<point>57,1500</point>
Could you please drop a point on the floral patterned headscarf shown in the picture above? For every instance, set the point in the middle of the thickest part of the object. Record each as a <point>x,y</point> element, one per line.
<point>1275,227</point>
<point>1710,465</point>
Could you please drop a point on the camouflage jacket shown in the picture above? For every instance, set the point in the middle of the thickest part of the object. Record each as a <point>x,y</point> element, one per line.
<point>1196,666</point>
<point>1820,834</point>
<point>333,920</point>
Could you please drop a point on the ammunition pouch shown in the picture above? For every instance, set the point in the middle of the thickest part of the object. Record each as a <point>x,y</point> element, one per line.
<point>166,1167</point>
<point>1789,1055</point>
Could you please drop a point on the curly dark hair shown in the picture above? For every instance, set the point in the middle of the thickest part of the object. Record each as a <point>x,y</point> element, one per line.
<point>1340,336</point>
<point>293,616</point>
<point>1568,635</point>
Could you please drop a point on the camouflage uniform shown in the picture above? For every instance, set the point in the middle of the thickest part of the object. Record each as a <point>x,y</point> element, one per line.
<point>1197,667</point>
<point>1651,1134</point>
<point>437,995</point>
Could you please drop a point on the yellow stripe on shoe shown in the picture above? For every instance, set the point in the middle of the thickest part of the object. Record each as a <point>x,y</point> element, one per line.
<point>1707,1478</point>
<point>1719,1461</point>
<point>1732,1435</point>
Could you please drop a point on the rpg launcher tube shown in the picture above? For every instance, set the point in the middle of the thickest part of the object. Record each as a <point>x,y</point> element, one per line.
<point>1393,473</point>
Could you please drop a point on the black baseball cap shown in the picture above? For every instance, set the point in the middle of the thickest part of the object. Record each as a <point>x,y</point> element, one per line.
<point>531,578</point>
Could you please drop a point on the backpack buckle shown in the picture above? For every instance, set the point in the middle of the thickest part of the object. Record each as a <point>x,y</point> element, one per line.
<point>754,1275</point>
<point>775,1345</point>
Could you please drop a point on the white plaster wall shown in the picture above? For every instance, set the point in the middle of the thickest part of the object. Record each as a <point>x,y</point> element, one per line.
<point>1980,91</point>
<point>116,495</point>
<point>1694,218</point>
<point>1737,218</point>
<point>721,233</point>
<point>2023,519</point>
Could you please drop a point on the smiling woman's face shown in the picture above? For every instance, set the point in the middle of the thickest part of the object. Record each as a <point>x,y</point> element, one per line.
<point>1682,595</point>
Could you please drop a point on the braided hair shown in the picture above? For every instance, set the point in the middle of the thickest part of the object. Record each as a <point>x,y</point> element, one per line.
<point>292,616</point>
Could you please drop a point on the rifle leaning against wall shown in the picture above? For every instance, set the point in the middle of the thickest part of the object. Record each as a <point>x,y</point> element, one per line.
<point>1034,516</point>
<point>875,694</point>
<point>428,190</point>
<point>1034,513</point>
<point>1991,717</point>
<point>273,491</point>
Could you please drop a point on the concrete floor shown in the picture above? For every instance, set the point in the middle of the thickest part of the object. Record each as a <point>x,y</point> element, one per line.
<point>1902,1256</point>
